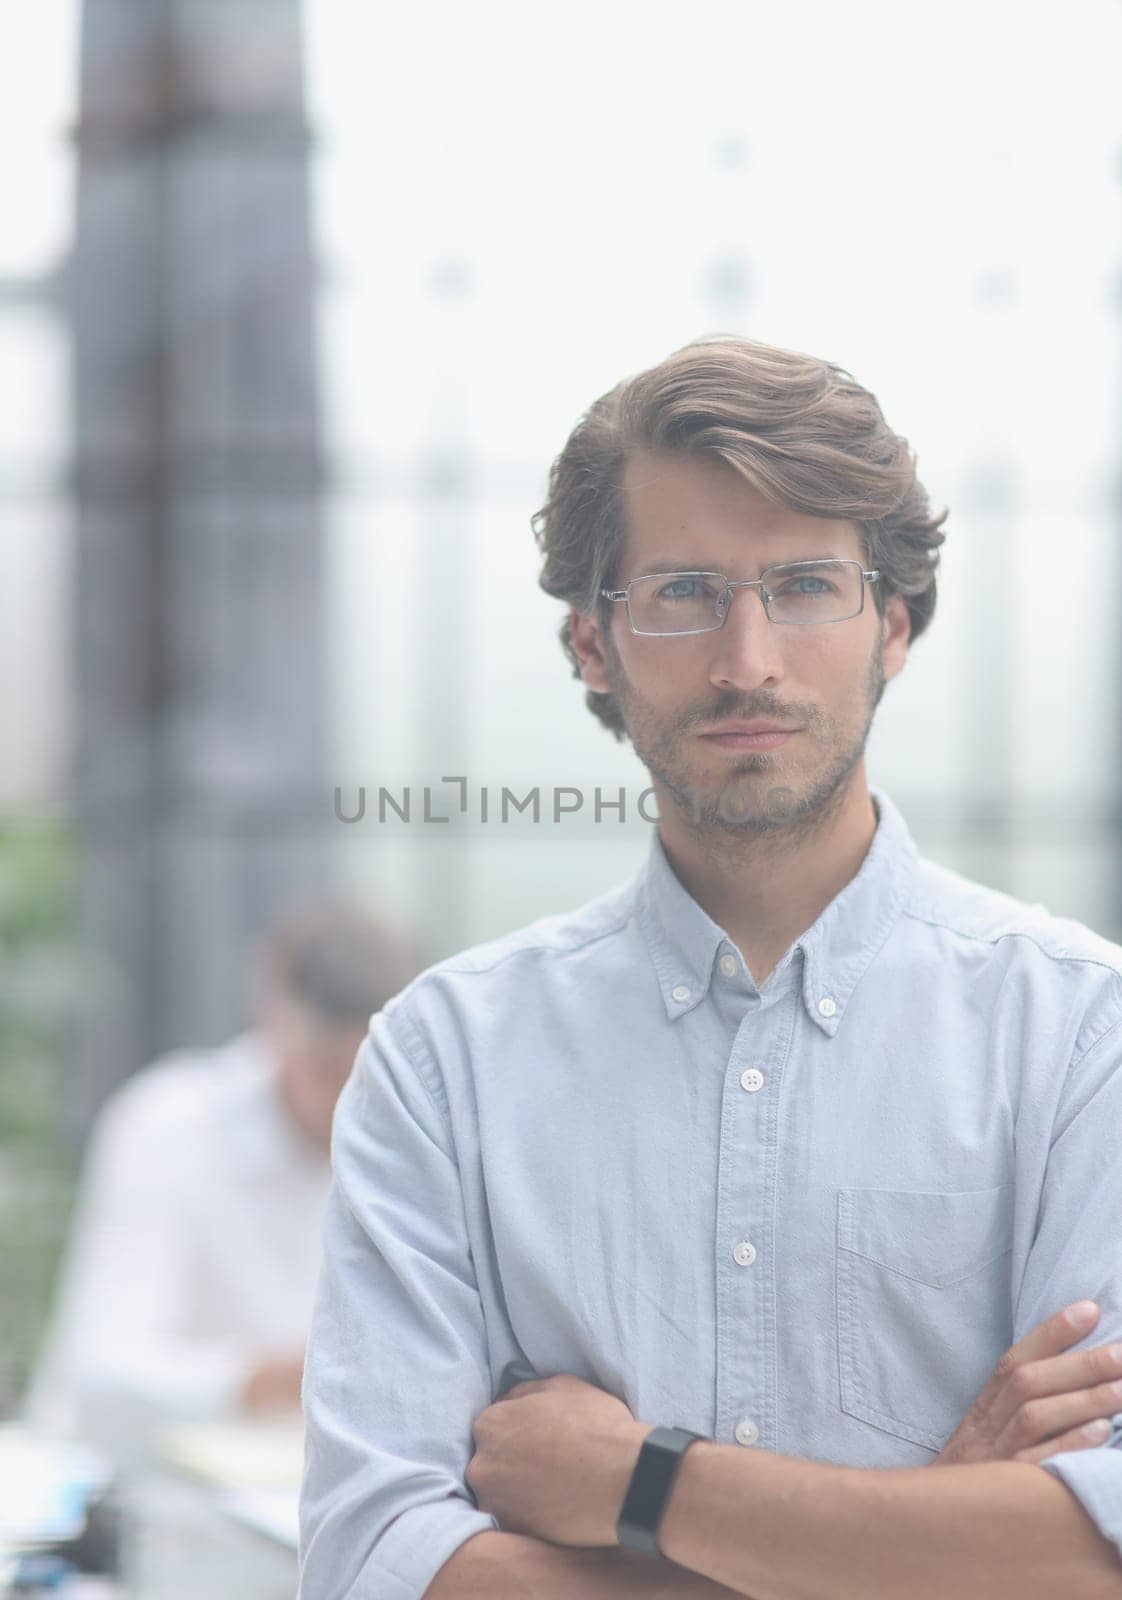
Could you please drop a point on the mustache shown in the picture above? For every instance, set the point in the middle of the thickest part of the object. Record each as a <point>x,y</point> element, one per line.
<point>742,710</point>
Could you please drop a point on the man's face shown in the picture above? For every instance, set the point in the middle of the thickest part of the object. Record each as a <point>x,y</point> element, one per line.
<point>823,680</point>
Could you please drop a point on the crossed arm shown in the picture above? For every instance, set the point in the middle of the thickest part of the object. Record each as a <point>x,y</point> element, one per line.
<point>549,1475</point>
<point>554,1457</point>
<point>777,1528</point>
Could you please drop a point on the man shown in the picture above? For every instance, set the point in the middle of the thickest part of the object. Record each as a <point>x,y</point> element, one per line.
<point>192,1263</point>
<point>795,1142</point>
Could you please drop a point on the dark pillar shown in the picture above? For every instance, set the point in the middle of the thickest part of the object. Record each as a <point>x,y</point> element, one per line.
<point>199,777</point>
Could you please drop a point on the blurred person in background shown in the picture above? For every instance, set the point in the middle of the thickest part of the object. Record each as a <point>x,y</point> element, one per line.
<point>187,1286</point>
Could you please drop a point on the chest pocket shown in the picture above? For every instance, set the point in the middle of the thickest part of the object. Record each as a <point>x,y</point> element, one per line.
<point>924,1305</point>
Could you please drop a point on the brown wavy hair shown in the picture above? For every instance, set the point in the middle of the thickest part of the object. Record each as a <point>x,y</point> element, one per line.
<point>800,429</point>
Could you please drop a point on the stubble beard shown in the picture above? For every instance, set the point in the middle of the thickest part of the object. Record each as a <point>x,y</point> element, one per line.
<point>792,808</point>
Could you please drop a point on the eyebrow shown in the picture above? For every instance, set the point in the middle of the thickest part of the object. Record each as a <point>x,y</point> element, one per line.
<point>678,564</point>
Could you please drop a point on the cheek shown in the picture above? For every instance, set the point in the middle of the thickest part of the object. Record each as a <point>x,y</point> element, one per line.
<point>660,670</point>
<point>838,667</point>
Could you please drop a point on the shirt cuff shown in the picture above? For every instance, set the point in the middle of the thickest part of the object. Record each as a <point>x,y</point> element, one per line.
<point>1094,1477</point>
<point>417,1544</point>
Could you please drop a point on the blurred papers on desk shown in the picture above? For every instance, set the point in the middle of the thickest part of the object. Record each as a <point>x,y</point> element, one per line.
<point>250,1455</point>
<point>46,1488</point>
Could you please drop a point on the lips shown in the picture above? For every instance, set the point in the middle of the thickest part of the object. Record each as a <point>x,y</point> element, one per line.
<point>747,727</point>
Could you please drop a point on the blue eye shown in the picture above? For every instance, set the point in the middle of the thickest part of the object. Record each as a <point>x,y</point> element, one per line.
<point>686,588</point>
<point>804,585</point>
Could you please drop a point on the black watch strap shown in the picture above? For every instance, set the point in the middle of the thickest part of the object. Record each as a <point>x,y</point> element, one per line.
<point>659,1459</point>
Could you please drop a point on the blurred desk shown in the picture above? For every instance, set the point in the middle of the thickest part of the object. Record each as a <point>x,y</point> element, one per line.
<point>48,1488</point>
<point>215,1518</point>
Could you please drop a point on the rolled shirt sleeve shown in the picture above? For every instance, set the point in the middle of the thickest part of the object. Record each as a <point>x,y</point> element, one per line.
<point>397,1365</point>
<point>1077,1253</point>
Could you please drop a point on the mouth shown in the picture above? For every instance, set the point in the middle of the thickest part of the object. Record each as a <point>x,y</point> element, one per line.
<point>750,735</point>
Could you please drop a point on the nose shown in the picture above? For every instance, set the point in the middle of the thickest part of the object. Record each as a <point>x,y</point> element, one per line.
<point>746,650</point>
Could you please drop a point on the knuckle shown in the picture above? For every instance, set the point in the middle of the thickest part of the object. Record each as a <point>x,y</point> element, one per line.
<point>1021,1383</point>
<point>1099,1362</point>
<point>1029,1421</point>
<point>1007,1366</point>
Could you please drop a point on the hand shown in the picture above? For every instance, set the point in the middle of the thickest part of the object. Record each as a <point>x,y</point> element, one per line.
<point>553,1459</point>
<point>1037,1399</point>
<point>274,1384</point>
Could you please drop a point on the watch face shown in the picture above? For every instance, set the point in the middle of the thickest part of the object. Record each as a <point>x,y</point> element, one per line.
<point>659,1458</point>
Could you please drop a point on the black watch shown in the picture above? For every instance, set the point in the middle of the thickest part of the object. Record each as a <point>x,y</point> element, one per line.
<point>647,1493</point>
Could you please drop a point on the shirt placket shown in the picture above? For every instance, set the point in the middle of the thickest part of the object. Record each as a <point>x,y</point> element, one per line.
<point>745,1269</point>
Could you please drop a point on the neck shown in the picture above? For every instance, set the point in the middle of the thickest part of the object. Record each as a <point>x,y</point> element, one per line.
<point>766,888</point>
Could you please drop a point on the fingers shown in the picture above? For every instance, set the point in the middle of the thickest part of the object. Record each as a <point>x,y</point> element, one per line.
<point>1044,1420</point>
<point>1055,1334</point>
<point>1082,1369</point>
<point>1039,1394</point>
<point>1084,1438</point>
<point>1047,1340</point>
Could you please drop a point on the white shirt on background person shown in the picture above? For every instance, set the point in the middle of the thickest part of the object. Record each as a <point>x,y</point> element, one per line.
<point>194,1249</point>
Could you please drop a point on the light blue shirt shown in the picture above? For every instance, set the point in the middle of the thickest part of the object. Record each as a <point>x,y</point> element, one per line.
<point>806,1216</point>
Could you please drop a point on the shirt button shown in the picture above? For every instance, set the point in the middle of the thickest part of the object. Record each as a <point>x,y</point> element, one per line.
<point>728,966</point>
<point>751,1079</point>
<point>744,1253</point>
<point>746,1431</point>
<point>827,1006</point>
<point>680,992</point>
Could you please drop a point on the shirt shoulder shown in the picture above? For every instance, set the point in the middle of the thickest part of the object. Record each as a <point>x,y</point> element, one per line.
<point>545,940</point>
<point>552,953</point>
<point>555,936</point>
<point>1025,937</point>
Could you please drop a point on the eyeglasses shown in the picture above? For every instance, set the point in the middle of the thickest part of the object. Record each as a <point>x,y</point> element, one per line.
<point>800,593</point>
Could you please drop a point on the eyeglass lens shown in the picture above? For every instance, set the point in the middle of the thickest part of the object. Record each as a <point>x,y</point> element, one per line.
<point>695,602</point>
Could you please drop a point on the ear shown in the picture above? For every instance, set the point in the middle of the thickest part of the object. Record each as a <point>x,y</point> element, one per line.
<point>590,647</point>
<point>896,632</point>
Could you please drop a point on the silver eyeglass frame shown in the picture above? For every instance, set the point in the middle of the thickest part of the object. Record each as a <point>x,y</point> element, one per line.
<point>743,583</point>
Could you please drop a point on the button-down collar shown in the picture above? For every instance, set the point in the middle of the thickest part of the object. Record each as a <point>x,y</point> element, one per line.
<point>684,941</point>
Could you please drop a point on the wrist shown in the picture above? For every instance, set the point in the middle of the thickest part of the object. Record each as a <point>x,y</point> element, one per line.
<point>621,1463</point>
<point>656,1470</point>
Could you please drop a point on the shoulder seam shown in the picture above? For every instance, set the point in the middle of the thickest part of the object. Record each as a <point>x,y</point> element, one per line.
<point>470,970</point>
<point>1014,933</point>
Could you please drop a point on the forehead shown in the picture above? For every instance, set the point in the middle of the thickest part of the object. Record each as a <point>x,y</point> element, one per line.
<point>695,511</point>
